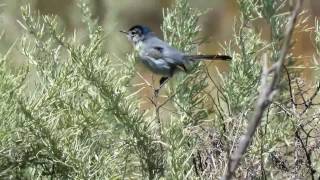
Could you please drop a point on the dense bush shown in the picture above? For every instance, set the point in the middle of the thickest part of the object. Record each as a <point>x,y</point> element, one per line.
<point>70,111</point>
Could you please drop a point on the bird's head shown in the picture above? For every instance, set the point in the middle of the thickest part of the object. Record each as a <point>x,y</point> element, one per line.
<point>137,33</point>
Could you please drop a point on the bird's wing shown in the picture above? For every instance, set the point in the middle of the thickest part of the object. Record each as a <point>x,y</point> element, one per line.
<point>155,52</point>
<point>174,56</point>
<point>158,52</point>
<point>166,50</point>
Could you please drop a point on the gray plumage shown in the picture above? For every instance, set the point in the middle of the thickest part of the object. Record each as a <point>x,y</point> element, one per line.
<point>159,56</point>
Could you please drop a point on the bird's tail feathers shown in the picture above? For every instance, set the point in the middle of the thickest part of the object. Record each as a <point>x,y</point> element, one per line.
<point>208,57</point>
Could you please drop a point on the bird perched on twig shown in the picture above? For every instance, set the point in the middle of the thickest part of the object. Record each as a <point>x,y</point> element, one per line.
<point>159,56</point>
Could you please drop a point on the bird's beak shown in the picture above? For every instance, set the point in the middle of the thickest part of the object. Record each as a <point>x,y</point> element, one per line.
<point>125,32</point>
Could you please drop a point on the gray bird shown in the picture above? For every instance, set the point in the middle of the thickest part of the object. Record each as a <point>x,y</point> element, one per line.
<point>159,56</point>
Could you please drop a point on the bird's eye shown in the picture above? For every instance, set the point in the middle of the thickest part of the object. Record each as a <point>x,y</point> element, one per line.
<point>133,33</point>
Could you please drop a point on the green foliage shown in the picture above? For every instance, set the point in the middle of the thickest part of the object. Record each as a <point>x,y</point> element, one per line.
<point>180,28</point>
<point>239,91</point>
<point>180,25</point>
<point>79,121</point>
<point>241,83</point>
<point>69,112</point>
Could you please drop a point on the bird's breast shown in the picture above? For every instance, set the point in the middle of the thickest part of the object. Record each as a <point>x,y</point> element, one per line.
<point>139,46</point>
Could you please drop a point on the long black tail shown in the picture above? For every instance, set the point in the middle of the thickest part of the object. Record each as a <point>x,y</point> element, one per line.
<point>208,57</point>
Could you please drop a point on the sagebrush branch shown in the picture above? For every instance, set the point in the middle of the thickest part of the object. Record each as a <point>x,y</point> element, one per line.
<point>268,90</point>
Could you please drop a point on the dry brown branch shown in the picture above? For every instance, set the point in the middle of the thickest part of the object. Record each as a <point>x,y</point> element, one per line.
<point>268,90</point>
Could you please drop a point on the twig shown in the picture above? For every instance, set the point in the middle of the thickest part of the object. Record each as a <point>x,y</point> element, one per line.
<point>300,92</point>
<point>309,101</point>
<point>145,81</point>
<point>262,136</point>
<point>307,153</point>
<point>292,99</point>
<point>267,92</point>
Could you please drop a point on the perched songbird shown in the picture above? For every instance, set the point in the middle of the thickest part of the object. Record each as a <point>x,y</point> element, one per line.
<point>159,56</point>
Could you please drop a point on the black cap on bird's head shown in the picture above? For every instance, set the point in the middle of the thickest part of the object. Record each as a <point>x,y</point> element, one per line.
<point>137,33</point>
<point>141,28</point>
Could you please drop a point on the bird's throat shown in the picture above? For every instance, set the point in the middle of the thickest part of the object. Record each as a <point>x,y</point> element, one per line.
<point>138,46</point>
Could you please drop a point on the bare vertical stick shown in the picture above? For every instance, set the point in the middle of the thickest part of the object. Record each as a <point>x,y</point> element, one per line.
<point>268,90</point>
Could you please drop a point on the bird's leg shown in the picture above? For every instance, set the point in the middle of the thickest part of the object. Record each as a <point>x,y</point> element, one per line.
<point>162,81</point>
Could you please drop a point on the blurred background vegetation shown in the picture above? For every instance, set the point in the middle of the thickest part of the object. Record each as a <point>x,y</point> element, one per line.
<point>217,23</point>
<point>83,119</point>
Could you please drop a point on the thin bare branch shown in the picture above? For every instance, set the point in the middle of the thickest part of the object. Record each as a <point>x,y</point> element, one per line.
<point>308,153</point>
<point>268,90</point>
<point>309,102</point>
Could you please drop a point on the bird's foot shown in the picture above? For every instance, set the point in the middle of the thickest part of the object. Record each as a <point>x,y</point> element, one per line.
<point>156,92</point>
